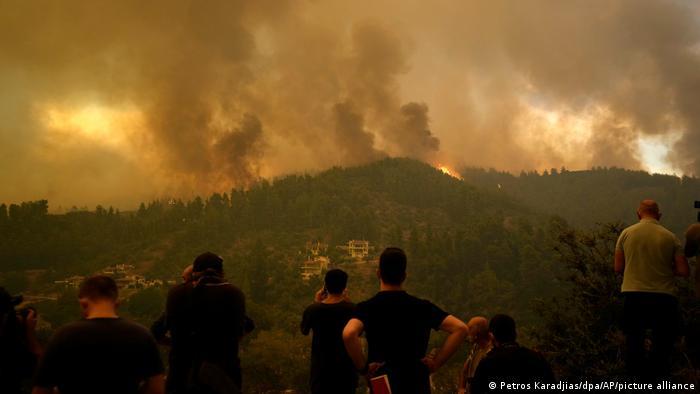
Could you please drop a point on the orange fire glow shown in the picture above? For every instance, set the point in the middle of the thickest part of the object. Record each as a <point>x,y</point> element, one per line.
<point>447,170</point>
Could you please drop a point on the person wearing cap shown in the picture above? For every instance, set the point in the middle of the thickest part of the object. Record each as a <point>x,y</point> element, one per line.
<point>207,321</point>
<point>649,257</point>
<point>19,347</point>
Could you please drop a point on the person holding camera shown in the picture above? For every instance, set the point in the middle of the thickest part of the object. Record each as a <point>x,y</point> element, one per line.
<point>649,257</point>
<point>207,320</point>
<point>19,347</point>
<point>332,370</point>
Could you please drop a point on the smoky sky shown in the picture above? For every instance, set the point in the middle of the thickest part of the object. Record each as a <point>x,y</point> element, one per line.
<point>115,102</point>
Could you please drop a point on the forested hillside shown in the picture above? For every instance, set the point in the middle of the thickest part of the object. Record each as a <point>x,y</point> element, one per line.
<point>471,250</point>
<point>600,195</point>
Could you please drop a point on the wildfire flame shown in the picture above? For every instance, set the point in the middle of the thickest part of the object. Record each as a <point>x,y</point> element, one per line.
<point>448,171</point>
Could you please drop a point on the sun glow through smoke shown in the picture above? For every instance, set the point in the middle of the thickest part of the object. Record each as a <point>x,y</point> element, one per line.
<point>93,123</point>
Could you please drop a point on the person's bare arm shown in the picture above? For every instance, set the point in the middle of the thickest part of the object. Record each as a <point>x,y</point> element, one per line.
<point>153,385</point>
<point>457,331</point>
<point>462,378</point>
<point>619,261</point>
<point>353,345</point>
<point>30,326</point>
<point>680,266</point>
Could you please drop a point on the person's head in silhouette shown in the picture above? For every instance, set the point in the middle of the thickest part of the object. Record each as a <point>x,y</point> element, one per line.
<point>187,274</point>
<point>479,329</point>
<point>336,280</point>
<point>392,268</point>
<point>648,209</point>
<point>502,328</point>
<point>98,297</point>
<point>208,264</point>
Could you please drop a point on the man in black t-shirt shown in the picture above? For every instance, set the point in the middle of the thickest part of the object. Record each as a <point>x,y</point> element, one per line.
<point>102,353</point>
<point>509,362</point>
<point>397,326</point>
<point>332,371</point>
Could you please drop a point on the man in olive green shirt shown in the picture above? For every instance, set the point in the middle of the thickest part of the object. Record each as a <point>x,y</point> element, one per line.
<point>649,257</point>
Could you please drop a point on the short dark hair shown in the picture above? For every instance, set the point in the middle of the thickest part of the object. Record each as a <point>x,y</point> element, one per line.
<point>336,280</point>
<point>392,266</point>
<point>99,287</point>
<point>208,262</point>
<point>503,328</point>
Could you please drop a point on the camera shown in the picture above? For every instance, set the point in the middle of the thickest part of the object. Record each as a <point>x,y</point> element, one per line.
<point>24,312</point>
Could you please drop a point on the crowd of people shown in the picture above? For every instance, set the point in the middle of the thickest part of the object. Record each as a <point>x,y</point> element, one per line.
<point>205,319</point>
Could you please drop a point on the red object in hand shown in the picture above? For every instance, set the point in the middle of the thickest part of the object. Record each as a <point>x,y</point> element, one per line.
<point>380,385</point>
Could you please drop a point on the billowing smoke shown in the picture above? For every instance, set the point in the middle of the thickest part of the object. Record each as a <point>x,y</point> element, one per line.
<point>127,100</point>
<point>238,152</point>
<point>412,133</point>
<point>354,142</point>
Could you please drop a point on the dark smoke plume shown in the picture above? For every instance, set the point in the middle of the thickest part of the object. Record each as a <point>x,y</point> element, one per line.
<point>131,100</point>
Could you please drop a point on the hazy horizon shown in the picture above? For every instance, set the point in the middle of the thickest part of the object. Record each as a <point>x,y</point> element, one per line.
<point>121,102</point>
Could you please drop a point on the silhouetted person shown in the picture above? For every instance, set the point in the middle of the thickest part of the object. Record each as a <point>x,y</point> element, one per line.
<point>397,326</point>
<point>692,325</point>
<point>481,341</point>
<point>692,249</point>
<point>649,256</point>
<point>179,358</point>
<point>102,353</point>
<point>208,320</point>
<point>508,361</point>
<point>19,348</point>
<point>332,371</point>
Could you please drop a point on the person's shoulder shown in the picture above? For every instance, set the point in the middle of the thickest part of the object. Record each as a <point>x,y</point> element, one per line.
<point>667,231</point>
<point>631,228</point>
<point>424,302</point>
<point>531,354</point>
<point>129,328</point>
<point>312,308</point>
<point>344,306</point>
<point>491,358</point>
<point>497,352</point>
<point>86,327</point>
<point>408,297</point>
<point>230,288</point>
<point>68,330</point>
<point>369,303</point>
<point>179,290</point>
<point>693,229</point>
<point>347,305</point>
<point>138,333</point>
<point>372,300</point>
